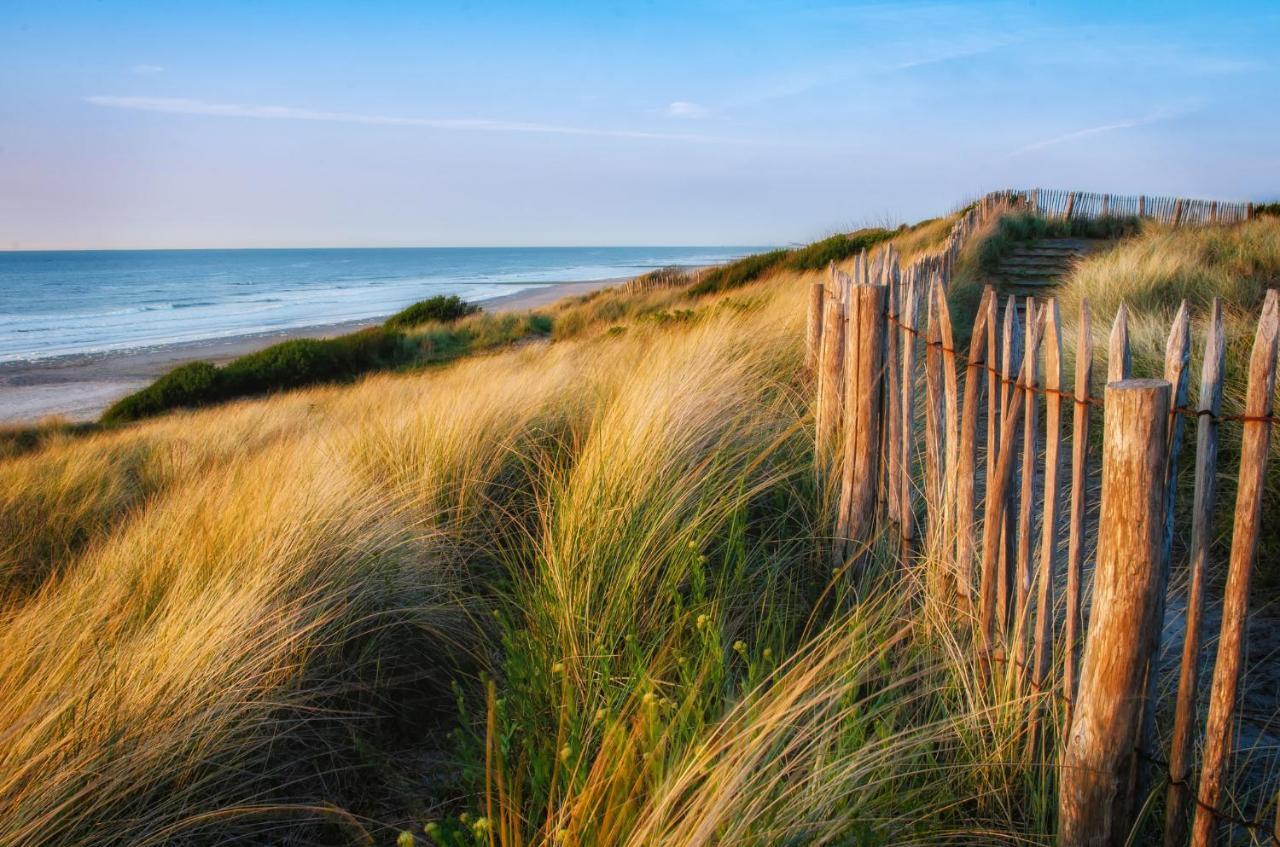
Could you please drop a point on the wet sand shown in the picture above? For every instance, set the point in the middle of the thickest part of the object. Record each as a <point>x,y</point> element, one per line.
<point>79,387</point>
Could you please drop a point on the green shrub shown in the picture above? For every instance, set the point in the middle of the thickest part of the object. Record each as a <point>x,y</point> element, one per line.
<point>837,248</point>
<point>738,273</point>
<point>1272,209</point>
<point>811,257</point>
<point>192,384</point>
<point>290,364</point>
<point>438,309</point>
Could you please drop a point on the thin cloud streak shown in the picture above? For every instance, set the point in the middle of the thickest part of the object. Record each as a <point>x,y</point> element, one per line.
<point>1096,130</point>
<point>185,106</point>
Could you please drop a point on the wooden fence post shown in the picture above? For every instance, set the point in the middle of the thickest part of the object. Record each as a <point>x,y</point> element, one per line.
<point>1209,408</point>
<point>1045,611</point>
<point>830,387</point>
<point>966,463</point>
<point>1177,211</point>
<point>1079,486</point>
<point>1177,360</point>
<point>1026,498</point>
<point>950,414</point>
<point>813,330</point>
<point>893,397</point>
<point>1142,206</point>
<point>1130,544</point>
<point>907,395</point>
<point>1119,360</point>
<point>1244,542</point>
<point>1071,205</point>
<point>1011,364</point>
<point>864,372</point>
<point>933,411</point>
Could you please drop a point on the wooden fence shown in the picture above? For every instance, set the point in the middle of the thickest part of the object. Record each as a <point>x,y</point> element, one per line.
<point>963,461</point>
<point>1178,211</point>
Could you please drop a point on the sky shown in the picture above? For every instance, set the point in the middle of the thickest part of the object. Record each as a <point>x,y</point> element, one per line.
<point>313,124</point>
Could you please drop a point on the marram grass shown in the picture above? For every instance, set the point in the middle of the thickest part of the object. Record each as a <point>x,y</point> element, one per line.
<point>573,592</point>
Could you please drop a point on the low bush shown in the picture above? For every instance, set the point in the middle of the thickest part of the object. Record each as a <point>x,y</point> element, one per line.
<point>811,257</point>
<point>837,248</point>
<point>738,273</point>
<point>290,364</point>
<point>438,309</point>
<point>192,384</point>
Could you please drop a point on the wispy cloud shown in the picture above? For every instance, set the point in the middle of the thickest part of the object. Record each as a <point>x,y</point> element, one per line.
<point>1087,132</point>
<point>685,109</point>
<point>146,70</point>
<point>184,106</point>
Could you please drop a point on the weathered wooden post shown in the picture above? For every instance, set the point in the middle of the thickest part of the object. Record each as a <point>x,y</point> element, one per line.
<point>1176,363</point>
<point>893,397</point>
<point>1011,363</point>
<point>1218,734</point>
<point>1130,545</point>
<point>1142,206</point>
<point>1177,211</point>
<point>1119,357</point>
<point>950,412</point>
<point>1071,205</point>
<point>813,330</point>
<point>1052,344</point>
<point>864,373</point>
<point>933,427</point>
<point>907,397</point>
<point>830,386</point>
<point>1026,499</point>
<point>1079,485</point>
<point>1209,408</point>
<point>967,460</point>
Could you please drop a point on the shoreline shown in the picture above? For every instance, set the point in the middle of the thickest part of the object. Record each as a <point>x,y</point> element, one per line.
<point>77,387</point>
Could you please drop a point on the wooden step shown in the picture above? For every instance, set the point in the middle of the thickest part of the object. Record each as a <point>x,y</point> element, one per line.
<point>1034,273</point>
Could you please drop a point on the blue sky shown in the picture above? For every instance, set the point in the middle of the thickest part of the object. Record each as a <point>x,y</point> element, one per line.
<point>440,123</point>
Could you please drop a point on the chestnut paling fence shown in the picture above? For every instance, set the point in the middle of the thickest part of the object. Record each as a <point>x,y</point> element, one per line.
<point>965,454</point>
<point>1179,211</point>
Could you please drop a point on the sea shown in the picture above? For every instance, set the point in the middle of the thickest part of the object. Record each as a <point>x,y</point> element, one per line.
<point>68,303</point>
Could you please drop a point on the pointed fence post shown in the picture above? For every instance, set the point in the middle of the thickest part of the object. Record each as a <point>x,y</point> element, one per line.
<point>813,329</point>
<point>906,509</point>
<point>1130,544</point>
<point>1177,360</point>
<point>1119,361</point>
<point>933,411</point>
<point>1209,408</point>
<point>975,375</point>
<point>1079,487</point>
<point>1244,542</point>
<point>893,398</point>
<point>1052,345</point>
<point>864,372</point>
<point>1011,362</point>
<point>1026,500</point>
<point>830,388</point>
<point>950,415</point>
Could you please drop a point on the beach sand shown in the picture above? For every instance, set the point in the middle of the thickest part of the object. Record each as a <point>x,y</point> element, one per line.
<point>79,387</point>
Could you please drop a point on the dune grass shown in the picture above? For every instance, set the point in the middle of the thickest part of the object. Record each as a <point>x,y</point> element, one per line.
<point>566,593</point>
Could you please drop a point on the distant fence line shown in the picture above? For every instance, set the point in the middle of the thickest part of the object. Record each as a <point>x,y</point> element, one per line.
<point>1177,211</point>
<point>905,457</point>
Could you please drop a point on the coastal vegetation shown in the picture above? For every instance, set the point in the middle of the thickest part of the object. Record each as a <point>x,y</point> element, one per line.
<point>576,592</point>
<point>428,331</point>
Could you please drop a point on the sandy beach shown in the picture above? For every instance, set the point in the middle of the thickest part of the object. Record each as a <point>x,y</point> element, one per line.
<point>79,387</point>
